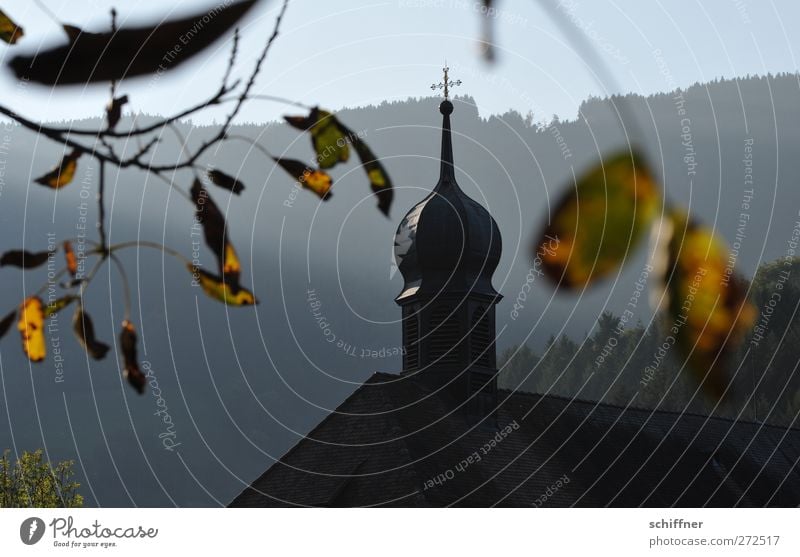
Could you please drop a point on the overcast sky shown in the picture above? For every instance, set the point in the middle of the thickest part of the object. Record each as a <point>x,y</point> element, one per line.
<point>348,52</point>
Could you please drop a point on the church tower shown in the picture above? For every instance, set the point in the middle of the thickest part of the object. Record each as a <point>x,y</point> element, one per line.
<point>447,248</point>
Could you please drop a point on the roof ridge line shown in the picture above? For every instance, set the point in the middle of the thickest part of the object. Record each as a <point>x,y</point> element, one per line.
<point>654,410</point>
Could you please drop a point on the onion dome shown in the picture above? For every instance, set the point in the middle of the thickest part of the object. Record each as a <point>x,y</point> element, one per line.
<point>447,243</point>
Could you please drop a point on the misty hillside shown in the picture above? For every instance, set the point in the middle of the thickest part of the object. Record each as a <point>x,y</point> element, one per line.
<point>242,385</point>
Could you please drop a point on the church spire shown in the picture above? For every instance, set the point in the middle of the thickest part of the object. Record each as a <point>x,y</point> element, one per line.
<point>447,173</point>
<point>447,248</point>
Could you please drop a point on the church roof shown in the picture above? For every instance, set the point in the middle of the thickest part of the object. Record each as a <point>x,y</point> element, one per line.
<point>395,442</point>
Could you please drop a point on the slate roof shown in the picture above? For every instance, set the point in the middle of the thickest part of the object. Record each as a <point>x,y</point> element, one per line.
<point>394,442</point>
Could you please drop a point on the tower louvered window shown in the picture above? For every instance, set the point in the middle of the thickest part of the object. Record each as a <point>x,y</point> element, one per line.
<point>444,336</point>
<point>481,338</point>
<point>411,333</point>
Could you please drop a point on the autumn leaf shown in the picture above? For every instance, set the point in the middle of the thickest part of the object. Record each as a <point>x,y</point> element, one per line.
<point>7,321</point>
<point>596,226</point>
<point>83,328</point>
<point>69,256</point>
<point>708,310</point>
<point>58,304</point>
<point>63,174</point>
<point>222,290</point>
<point>379,179</point>
<point>112,56</point>
<point>24,259</point>
<point>213,222</point>
<point>327,136</point>
<point>10,32</point>
<point>31,328</point>
<point>114,111</point>
<point>219,178</point>
<point>302,123</point>
<point>487,34</point>
<point>72,31</point>
<point>331,141</point>
<point>131,371</point>
<point>317,181</point>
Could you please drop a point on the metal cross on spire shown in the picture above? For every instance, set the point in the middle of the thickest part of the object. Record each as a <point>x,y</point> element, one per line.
<point>446,84</point>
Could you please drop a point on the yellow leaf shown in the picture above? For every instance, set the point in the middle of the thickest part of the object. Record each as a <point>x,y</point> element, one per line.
<point>62,174</point>
<point>379,180</point>
<point>329,141</point>
<point>376,178</point>
<point>10,32</point>
<point>31,327</point>
<point>328,136</point>
<point>317,181</point>
<point>231,266</point>
<point>708,309</point>
<point>214,229</point>
<point>223,290</point>
<point>596,226</point>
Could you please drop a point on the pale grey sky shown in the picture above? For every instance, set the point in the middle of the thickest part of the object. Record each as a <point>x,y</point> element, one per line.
<point>349,52</point>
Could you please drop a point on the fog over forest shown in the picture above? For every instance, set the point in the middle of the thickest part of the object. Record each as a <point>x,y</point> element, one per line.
<point>242,385</point>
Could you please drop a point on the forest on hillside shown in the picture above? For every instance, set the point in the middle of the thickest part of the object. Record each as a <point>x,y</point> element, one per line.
<point>619,364</point>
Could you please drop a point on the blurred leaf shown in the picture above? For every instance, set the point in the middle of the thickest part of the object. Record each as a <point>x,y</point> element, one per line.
<point>114,111</point>
<point>596,226</point>
<point>93,57</point>
<point>315,180</point>
<point>327,136</point>
<point>72,31</point>
<point>379,179</point>
<point>222,290</point>
<point>57,305</point>
<point>708,316</point>
<point>131,371</point>
<point>302,123</point>
<point>24,259</point>
<point>69,256</point>
<point>31,328</point>
<point>487,39</point>
<point>10,32</point>
<point>84,331</point>
<point>7,321</point>
<point>216,235</point>
<point>219,178</point>
<point>231,267</point>
<point>63,173</point>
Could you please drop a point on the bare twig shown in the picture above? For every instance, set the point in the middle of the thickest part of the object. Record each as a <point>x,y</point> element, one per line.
<point>231,60</point>
<point>220,136</point>
<point>104,152</point>
<point>101,206</point>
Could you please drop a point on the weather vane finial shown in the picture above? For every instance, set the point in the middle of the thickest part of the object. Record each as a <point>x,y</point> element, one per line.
<point>446,84</point>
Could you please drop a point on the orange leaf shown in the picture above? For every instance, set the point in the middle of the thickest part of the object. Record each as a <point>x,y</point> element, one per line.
<point>72,262</point>
<point>131,371</point>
